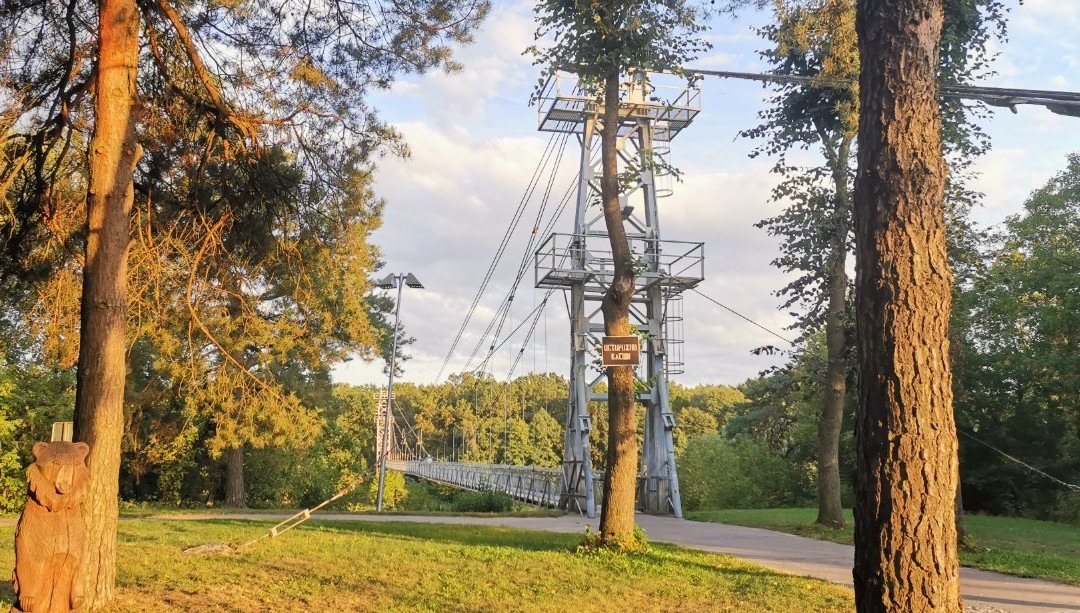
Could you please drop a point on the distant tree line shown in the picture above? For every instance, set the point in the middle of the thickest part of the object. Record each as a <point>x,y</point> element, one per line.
<point>168,454</point>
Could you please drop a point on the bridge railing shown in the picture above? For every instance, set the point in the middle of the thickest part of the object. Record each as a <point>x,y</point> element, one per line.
<point>530,484</point>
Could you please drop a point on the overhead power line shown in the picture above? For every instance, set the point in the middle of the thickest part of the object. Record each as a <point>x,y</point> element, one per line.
<point>1062,103</point>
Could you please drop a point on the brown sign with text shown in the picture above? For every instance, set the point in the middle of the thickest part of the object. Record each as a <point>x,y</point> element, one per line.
<point>621,351</point>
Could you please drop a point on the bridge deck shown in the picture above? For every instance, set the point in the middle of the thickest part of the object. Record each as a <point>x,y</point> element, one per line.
<point>530,484</point>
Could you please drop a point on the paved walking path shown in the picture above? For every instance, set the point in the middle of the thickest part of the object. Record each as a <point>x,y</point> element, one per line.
<point>983,591</point>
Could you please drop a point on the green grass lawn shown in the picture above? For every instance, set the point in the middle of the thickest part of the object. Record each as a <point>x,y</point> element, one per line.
<point>423,498</point>
<point>415,567</point>
<point>136,510</point>
<point>1023,547</point>
<point>163,511</point>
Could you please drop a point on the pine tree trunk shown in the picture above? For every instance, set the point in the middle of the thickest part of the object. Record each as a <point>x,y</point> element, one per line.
<point>830,510</point>
<point>99,398</point>
<point>905,528</point>
<point>620,484</point>
<point>234,477</point>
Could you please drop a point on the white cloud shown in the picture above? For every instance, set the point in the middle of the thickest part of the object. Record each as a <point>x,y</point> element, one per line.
<point>475,146</point>
<point>718,60</point>
<point>1046,16</point>
<point>493,66</point>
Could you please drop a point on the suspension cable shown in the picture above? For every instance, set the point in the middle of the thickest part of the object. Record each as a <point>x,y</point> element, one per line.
<point>524,321</point>
<point>498,253</point>
<point>532,328</point>
<point>503,312</point>
<point>555,216</point>
<point>1062,103</point>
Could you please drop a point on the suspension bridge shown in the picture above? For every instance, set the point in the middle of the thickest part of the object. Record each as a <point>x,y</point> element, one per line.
<point>653,109</point>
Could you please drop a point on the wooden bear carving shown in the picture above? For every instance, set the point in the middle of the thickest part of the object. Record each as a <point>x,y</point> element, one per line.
<point>51,535</point>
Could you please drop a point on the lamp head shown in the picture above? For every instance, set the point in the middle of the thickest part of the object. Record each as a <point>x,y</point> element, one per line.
<point>413,282</point>
<point>387,282</point>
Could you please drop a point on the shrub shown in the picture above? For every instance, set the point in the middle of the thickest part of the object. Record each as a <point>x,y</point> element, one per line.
<point>594,543</point>
<point>1067,509</point>
<point>426,496</point>
<point>394,491</point>
<point>721,473</point>
<point>482,502</point>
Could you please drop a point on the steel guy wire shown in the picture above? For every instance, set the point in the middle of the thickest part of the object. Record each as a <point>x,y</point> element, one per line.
<point>740,315</point>
<point>1070,486</point>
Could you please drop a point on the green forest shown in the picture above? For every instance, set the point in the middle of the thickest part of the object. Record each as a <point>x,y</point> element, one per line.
<point>1015,349</point>
<point>1016,354</point>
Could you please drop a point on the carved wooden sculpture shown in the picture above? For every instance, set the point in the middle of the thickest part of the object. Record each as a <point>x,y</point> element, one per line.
<point>51,536</point>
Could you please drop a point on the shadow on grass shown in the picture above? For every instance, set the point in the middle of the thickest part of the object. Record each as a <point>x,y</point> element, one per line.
<point>658,559</point>
<point>7,593</point>
<point>239,531</point>
<point>465,535</point>
<point>674,557</point>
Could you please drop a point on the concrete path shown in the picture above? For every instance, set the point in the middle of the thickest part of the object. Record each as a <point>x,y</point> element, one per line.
<point>984,592</point>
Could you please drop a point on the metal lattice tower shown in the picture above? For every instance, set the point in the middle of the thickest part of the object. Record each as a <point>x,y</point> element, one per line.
<point>653,109</point>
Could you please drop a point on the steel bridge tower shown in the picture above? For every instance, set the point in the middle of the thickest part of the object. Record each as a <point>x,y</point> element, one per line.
<point>653,109</point>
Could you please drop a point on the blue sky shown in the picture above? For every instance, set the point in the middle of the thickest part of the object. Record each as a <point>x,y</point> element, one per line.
<point>474,146</point>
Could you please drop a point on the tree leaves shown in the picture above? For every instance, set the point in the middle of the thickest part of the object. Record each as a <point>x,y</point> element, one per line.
<point>1021,353</point>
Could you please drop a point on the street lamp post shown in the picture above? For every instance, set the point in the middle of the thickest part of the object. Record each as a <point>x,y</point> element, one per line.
<point>391,281</point>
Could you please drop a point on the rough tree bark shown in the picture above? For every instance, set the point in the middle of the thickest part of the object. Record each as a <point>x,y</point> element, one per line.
<point>963,540</point>
<point>99,399</point>
<point>620,485</point>
<point>905,529</point>
<point>234,477</point>
<point>830,510</point>
<point>234,456</point>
